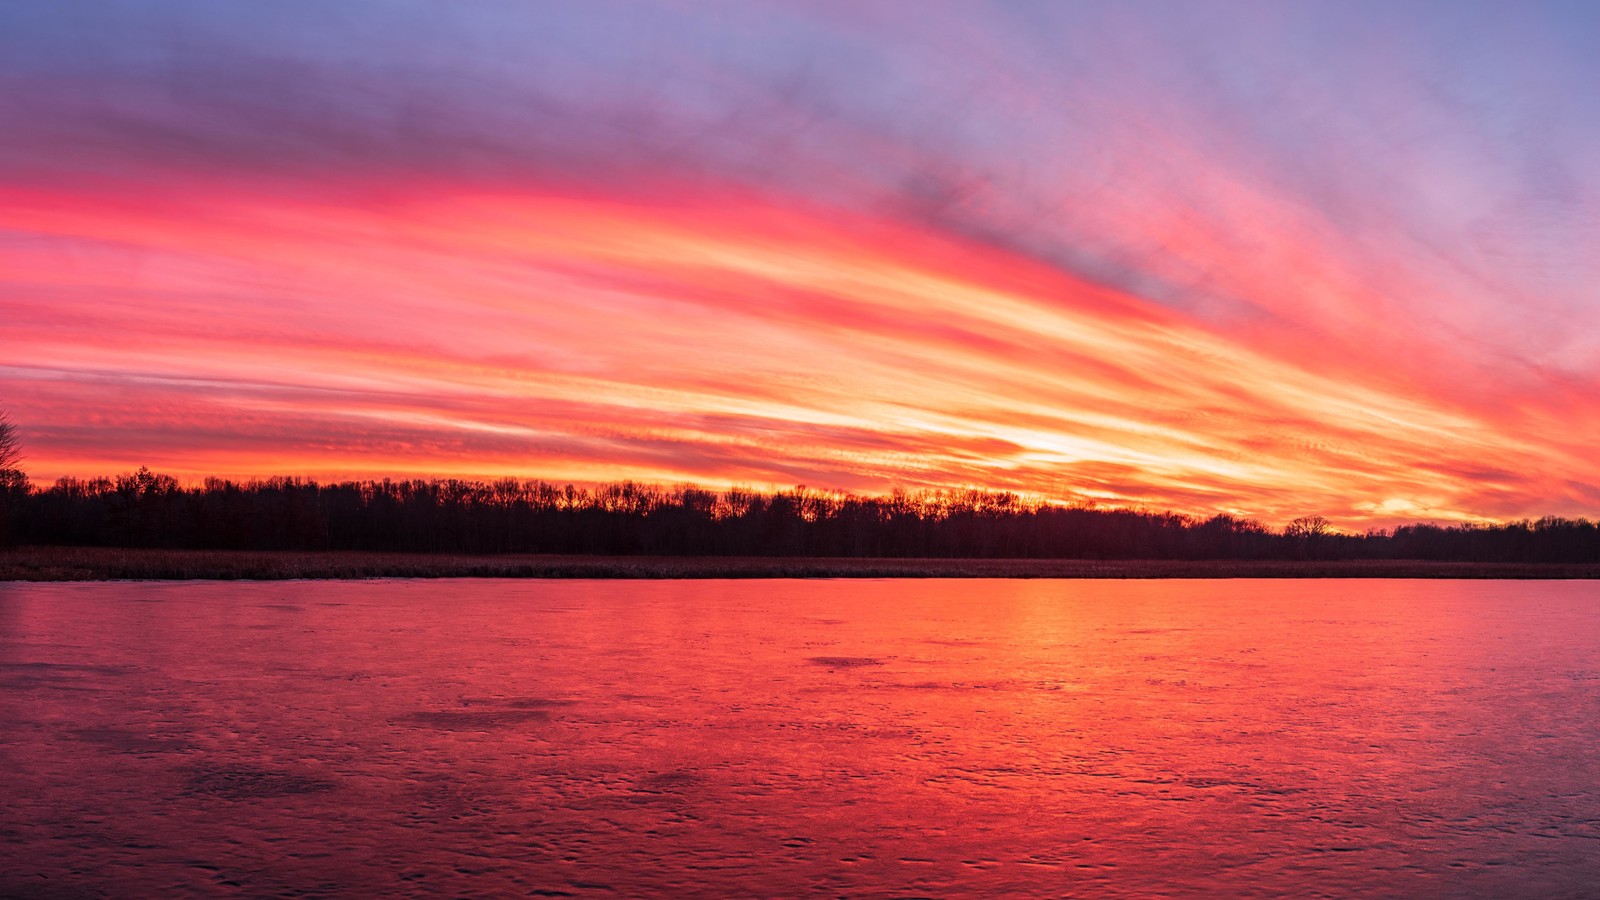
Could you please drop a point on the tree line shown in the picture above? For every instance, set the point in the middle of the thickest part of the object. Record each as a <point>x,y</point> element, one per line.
<point>145,509</point>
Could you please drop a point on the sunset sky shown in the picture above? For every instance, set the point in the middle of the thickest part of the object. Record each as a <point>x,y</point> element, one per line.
<point>1269,259</point>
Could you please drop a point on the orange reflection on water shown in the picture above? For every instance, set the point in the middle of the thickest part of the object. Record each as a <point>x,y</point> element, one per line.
<point>1035,738</point>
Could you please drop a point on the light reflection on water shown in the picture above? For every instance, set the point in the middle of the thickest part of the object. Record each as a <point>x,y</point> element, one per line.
<point>862,738</point>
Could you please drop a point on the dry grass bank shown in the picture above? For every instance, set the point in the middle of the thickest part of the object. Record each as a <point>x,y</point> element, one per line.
<point>104,563</point>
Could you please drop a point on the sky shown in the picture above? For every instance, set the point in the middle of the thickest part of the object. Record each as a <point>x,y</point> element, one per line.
<point>1267,259</point>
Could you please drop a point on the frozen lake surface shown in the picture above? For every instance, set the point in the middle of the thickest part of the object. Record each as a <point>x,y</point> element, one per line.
<point>781,738</point>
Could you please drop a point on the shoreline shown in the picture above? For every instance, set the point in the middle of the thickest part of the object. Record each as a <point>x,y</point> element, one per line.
<point>120,564</point>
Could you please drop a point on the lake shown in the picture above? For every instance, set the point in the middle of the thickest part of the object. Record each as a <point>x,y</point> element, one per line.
<point>781,738</point>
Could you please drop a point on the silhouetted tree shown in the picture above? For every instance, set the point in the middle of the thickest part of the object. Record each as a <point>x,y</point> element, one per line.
<point>511,516</point>
<point>10,444</point>
<point>13,483</point>
<point>1308,527</point>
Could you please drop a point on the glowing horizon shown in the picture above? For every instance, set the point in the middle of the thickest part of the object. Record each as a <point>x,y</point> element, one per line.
<point>675,249</point>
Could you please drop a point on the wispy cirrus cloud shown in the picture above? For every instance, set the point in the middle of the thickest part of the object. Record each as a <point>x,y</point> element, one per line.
<point>1261,260</point>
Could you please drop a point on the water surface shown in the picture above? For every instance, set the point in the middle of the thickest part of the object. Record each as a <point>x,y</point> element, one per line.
<point>836,738</point>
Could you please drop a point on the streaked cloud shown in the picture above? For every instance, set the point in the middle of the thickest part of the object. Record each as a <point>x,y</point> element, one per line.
<point>1262,260</point>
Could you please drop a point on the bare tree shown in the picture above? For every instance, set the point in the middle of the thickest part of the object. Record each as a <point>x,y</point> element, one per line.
<point>1308,527</point>
<point>10,444</point>
<point>13,484</point>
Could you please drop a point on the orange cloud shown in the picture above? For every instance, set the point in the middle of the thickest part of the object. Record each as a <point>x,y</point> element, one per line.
<point>439,330</point>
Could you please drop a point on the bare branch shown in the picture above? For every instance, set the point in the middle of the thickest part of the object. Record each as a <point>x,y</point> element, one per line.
<point>10,444</point>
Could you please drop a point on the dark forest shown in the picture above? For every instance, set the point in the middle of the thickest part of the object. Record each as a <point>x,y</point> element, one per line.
<point>145,509</point>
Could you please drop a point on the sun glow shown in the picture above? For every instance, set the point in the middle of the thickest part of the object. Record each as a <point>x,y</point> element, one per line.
<point>570,337</point>
<point>1198,261</point>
